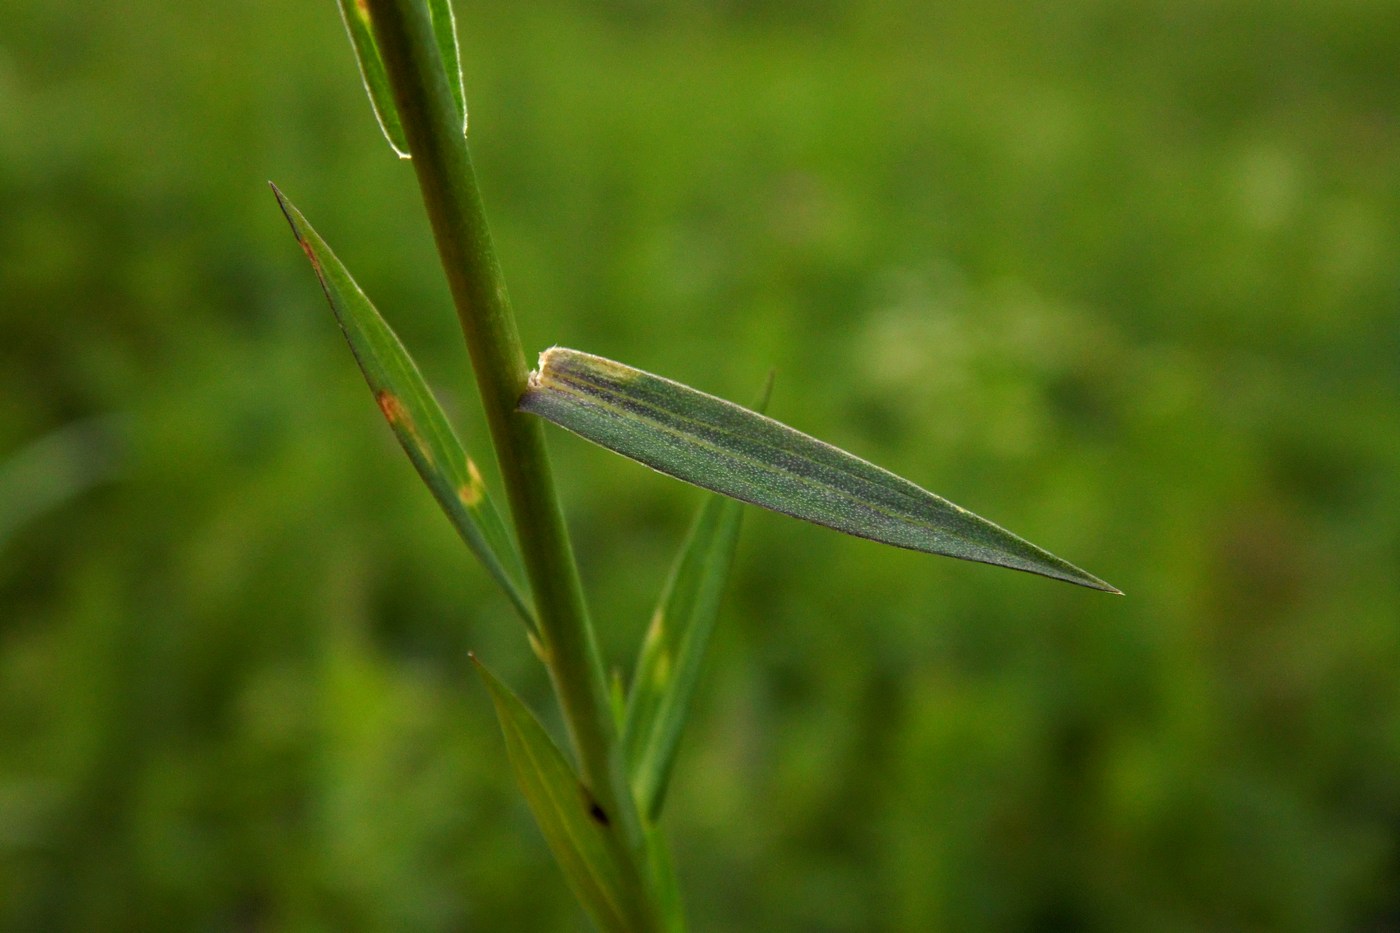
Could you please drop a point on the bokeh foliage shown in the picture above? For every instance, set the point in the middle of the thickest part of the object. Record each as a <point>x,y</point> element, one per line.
<point>1125,277</point>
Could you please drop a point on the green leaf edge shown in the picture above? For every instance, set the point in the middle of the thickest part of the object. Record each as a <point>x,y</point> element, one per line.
<point>445,29</point>
<point>736,452</point>
<point>672,654</point>
<point>416,418</point>
<point>358,25</point>
<point>355,15</point>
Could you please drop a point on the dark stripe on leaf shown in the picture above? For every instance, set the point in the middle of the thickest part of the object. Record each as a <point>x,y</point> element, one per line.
<point>740,453</point>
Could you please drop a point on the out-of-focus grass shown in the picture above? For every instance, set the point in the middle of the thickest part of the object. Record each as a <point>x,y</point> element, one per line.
<point>1123,277</point>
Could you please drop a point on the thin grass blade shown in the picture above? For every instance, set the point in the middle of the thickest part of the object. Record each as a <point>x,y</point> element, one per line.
<point>673,652</point>
<point>51,471</point>
<point>356,15</point>
<point>381,97</point>
<point>445,28</point>
<point>578,832</point>
<point>739,453</point>
<point>419,423</point>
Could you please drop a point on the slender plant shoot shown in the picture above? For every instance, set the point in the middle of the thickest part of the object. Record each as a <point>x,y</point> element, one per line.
<point>598,810</point>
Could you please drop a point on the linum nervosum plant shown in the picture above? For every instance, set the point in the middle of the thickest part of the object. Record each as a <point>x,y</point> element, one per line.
<point>599,803</point>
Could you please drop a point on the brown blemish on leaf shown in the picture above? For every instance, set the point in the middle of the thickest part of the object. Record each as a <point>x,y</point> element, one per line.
<point>310,254</point>
<point>288,211</point>
<point>399,418</point>
<point>393,409</point>
<point>595,810</point>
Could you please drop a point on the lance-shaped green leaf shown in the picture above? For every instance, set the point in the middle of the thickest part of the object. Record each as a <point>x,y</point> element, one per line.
<point>673,652</point>
<point>358,24</point>
<point>737,452</point>
<point>419,423</point>
<point>579,833</point>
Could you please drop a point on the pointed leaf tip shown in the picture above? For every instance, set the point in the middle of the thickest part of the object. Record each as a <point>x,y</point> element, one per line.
<point>417,420</point>
<point>739,453</point>
<point>360,28</point>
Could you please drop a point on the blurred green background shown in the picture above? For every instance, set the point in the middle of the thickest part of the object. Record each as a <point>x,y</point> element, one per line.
<point>1124,277</point>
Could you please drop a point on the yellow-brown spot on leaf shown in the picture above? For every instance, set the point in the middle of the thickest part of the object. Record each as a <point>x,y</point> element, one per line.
<point>393,409</point>
<point>310,255</point>
<point>402,422</point>
<point>538,647</point>
<point>614,371</point>
<point>657,630</point>
<point>471,494</point>
<point>661,674</point>
<point>558,363</point>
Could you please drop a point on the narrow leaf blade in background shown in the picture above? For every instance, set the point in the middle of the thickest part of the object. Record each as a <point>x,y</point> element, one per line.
<point>737,452</point>
<point>673,652</point>
<point>419,423</point>
<point>356,15</point>
<point>579,834</point>
<point>49,472</point>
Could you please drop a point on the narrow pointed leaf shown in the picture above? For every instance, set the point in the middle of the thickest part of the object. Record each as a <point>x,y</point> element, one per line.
<point>579,833</point>
<point>445,28</point>
<point>381,97</point>
<point>408,405</point>
<point>358,24</point>
<point>737,452</point>
<point>673,652</point>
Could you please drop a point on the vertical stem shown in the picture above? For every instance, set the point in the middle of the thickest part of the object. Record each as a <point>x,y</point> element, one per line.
<point>403,31</point>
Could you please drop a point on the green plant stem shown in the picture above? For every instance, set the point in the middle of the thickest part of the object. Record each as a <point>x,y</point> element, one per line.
<point>443,164</point>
